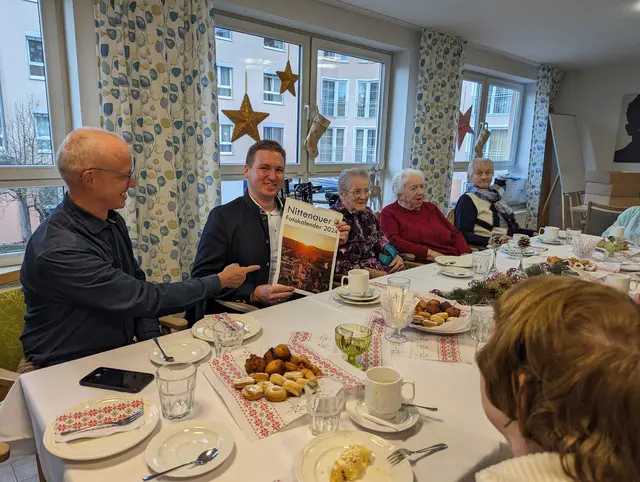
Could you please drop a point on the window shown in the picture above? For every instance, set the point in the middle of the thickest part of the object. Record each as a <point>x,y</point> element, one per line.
<point>226,132</point>
<point>332,145</point>
<point>2,134</point>
<point>35,55</point>
<point>43,132</point>
<point>273,44</point>
<point>225,81</point>
<point>334,97</point>
<point>364,144</point>
<point>271,92</point>
<point>273,132</point>
<point>223,34</point>
<point>326,85</point>
<point>363,61</point>
<point>335,56</point>
<point>367,91</point>
<point>497,103</point>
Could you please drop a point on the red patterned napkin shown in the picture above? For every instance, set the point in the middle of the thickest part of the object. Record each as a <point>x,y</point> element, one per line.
<point>101,417</point>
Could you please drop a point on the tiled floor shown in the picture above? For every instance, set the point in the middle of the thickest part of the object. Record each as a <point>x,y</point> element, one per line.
<point>19,469</point>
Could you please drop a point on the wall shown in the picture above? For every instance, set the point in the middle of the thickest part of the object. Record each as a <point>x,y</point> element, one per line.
<point>594,96</point>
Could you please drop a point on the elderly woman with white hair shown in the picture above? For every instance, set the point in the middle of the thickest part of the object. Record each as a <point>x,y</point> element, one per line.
<point>416,226</point>
<point>481,212</point>
<point>367,247</point>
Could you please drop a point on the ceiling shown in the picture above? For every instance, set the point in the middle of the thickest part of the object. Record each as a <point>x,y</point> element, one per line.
<point>571,34</point>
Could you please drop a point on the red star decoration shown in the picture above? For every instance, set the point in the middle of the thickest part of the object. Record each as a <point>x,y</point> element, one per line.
<point>464,126</point>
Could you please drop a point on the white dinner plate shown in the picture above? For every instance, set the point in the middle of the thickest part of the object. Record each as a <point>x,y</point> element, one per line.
<point>202,329</point>
<point>458,261</point>
<point>372,294</point>
<point>99,448</point>
<point>183,442</point>
<point>456,272</point>
<point>315,461</point>
<point>406,417</point>
<point>187,351</point>
<point>555,242</point>
<point>453,327</point>
<point>336,296</point>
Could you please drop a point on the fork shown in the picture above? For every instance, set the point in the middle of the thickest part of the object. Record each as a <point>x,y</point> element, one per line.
<point>399,455</point>
<point>125,421</point>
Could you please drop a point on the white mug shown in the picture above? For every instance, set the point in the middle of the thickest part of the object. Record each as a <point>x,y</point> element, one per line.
<point>621,282</point>
<point>617,232</point>
<point>550,233</point>
<point>383,392</point>
<point>358,281</point>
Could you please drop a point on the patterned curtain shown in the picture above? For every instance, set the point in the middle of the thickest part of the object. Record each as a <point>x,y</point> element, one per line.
<point>157,83</point>
<point>548,84</point>
<point>436,123</point>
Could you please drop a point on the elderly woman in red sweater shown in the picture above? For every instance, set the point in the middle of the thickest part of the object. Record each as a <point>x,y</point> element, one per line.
<point>416,226</point>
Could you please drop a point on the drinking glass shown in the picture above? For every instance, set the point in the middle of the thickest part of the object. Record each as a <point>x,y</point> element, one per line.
<point>325,400</point>
<point>398,304</point>
<point>227,339</point>
<point>176,386</point>
<point>481,261</point>
<point>481,322</point>
<point>353,340</point>
<point>572,233</point>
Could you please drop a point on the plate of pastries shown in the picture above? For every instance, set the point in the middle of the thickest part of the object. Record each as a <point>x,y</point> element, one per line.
<point>441,317</point>
<point>576,263</point>
<point>276,375</point>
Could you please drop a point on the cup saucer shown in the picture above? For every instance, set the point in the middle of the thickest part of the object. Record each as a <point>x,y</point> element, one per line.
<point>406,417</point>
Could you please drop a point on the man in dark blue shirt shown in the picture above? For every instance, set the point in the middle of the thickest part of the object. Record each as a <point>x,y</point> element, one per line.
<point>84,290</point>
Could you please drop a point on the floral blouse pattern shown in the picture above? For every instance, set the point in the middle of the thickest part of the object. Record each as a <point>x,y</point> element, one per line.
<point>366,241</point>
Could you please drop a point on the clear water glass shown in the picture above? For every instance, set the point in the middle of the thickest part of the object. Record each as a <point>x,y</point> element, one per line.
<point>481,322</point>
<point>397,303</point>
<point>325,401</point>
<point>571,234</point>
<point>225,338</point>
<point>481,261</point>
<point>176,386</point>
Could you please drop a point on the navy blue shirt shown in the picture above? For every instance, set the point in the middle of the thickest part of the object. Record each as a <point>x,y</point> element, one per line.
<point>85,292</point>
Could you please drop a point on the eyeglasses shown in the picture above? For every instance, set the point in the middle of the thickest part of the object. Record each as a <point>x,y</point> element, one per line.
<point>128,175</point>
<point>359,193</point>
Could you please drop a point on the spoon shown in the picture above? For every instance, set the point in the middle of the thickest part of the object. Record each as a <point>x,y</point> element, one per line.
<point>433,409</point>
<point>203,458</point>
<point>166,358</point>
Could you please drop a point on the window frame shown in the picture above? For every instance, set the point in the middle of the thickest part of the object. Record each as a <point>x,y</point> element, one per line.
<point>35,36</point>
<point>3,134</point>
<point>272,75</point>
<point>221,124</point>
<point>43,137</point>
<point>485,81</point>
<point>334,146</point>
<point>227,39</point>
<point>56,81</point>
<point>273,125</point>
<point>336,80</point>
<point>224,65</point>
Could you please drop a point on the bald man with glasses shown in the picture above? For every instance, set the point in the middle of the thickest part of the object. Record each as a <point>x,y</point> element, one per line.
<point>84,290</point>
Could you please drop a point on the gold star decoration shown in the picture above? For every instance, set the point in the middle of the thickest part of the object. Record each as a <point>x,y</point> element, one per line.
<point>245,120</point>
<point>288,79</point>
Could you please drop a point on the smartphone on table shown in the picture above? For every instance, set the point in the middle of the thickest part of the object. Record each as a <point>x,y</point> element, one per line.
<point>116,379</point>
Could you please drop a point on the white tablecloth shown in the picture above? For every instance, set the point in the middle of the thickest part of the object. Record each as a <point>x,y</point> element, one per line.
<point>452,387</point>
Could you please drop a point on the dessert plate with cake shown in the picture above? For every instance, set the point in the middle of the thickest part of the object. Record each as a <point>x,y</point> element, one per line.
<point>441,317</point>
<point>350,455</point>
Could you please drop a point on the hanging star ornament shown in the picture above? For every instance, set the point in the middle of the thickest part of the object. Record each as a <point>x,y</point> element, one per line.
<point>245,120</point>
<point>464,126</point>
<point>288,80</point>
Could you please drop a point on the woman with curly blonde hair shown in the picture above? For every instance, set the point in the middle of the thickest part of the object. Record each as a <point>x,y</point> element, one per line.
<point>561,381</point>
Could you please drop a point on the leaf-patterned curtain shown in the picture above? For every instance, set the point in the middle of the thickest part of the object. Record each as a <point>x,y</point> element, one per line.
<point>157,84</point>
<point>436,121</point>
<point>547,87</point>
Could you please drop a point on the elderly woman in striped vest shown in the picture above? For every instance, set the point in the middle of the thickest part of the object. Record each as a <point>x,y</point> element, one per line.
<point>481,212</point>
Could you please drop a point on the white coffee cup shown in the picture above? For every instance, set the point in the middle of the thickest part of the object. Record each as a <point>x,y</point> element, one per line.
<point>516,237</point>
<point>383,392</point>
<point>617,232</point>
<point>550,233</point>
<point>358,280</point>
<point>621,282</point>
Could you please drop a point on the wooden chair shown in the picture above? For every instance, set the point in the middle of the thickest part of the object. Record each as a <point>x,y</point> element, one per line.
<point>600,217</point>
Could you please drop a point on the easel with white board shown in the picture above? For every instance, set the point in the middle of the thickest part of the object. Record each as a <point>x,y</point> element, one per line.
<point>571,172</point>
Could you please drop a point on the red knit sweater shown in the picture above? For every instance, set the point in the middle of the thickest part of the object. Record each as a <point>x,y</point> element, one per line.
<point>418,231</point>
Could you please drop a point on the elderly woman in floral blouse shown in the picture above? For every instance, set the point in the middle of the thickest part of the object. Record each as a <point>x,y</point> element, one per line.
<point>366,242</point>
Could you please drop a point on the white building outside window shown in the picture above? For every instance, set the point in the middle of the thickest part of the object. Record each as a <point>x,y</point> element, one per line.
<point>334,97</point>
<point>271,93</point>
<point>364,144</point>
<point>226,132</point>
<point>332,145</point>
<point>225,80</point>
<point>223,34</point>
<point>367,92</point>
<point>273,44</point>
<point>273,132</point>
<point>43,132</point>
<point>35,55</point>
